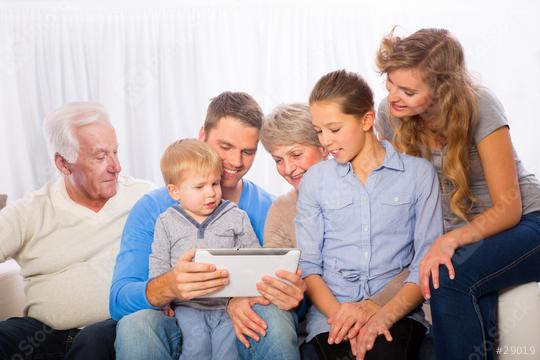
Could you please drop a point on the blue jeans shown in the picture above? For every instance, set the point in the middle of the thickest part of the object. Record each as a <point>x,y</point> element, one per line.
<point>281,340</point>
<point>464,310</point>
<point>207,334</point>
<point>147,335</point>
<point>24,338</point>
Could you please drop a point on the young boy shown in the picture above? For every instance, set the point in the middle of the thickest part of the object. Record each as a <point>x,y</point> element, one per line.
<point>192,171</point>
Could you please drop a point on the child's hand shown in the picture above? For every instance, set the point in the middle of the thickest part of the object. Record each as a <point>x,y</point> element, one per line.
<point>348,320</point>
<point>167,310</point>
<point>368,333</point>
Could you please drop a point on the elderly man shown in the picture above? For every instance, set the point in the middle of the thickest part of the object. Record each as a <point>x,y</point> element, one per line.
<point>65,237</point>
<point>232,128</point>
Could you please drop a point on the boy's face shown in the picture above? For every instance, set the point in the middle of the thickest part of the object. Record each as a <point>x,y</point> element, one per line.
<point>198,194</point>
<point>236,144</point>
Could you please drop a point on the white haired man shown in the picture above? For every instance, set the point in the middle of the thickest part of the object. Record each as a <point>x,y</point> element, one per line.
<point>65,236</point>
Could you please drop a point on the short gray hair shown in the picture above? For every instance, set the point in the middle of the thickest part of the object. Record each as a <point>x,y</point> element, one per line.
<point>288,124</point>
<point>59,126</point>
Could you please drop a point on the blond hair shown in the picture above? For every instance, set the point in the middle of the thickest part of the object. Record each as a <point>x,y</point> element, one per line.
<point>439,58</point>
<point>288,124</point>
<point>188,155</point>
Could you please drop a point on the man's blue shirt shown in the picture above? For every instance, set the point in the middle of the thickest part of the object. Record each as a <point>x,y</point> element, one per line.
<point>130,277</point>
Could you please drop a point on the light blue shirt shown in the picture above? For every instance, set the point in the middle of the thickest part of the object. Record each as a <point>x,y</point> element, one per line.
<point>357,236</point>
<point>130,277</point>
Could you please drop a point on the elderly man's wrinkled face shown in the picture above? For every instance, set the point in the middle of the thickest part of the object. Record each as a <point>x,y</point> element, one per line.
<point>94,175</point>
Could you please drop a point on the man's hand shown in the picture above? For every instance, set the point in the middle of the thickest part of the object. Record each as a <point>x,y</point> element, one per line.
<point>245,321</point>
<point>285,296</point>
<point>196,279</point>
<point>186,281</point>
<point>349,319</point>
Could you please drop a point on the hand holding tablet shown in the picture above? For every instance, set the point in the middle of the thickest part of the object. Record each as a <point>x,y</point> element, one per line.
<point>246,267</point>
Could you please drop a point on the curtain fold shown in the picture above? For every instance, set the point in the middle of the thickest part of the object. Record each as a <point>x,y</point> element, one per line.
<point>155,66</point>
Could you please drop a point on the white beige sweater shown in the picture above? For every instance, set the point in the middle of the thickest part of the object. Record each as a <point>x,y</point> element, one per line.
<point>66,251</point>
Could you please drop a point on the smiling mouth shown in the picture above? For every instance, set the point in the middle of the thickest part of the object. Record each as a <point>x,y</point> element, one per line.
<point>398,107</point>
<point>230,172</point>
<point>334,152</point>
<point>297,176</point>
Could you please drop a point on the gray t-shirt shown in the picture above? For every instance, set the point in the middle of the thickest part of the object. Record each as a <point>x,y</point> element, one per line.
<point>491,118</point>
<point>176,232</point>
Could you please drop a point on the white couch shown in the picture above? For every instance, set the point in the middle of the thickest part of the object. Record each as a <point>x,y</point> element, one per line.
<point>11,290</point>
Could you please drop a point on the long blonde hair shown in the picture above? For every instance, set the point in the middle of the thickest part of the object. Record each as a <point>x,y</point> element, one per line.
<point>439,58</point>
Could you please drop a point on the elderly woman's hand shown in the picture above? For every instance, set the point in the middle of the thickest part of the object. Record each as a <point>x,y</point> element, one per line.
<point>285,295</point>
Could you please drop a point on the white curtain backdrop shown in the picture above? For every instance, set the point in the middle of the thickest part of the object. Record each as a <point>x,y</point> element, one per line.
<point>156,64</point>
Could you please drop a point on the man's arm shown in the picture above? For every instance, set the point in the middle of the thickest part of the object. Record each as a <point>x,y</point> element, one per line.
<point>130,277</point>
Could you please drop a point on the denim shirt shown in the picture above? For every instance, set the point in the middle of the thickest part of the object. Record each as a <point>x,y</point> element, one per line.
<point>357,236</point>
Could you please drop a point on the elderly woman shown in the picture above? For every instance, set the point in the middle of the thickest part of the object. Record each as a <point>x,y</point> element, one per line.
<point>288,135</point>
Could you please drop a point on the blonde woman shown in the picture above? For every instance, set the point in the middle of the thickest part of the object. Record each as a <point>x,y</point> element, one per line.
<point>490,202</point>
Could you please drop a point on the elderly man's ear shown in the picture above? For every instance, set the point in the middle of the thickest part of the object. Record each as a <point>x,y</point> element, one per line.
<point>62,164</point>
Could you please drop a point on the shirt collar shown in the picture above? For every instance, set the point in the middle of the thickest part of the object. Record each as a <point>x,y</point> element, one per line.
<point>392,160</point>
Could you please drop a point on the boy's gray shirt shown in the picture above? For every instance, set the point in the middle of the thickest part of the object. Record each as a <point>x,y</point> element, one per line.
<point>176,232</point>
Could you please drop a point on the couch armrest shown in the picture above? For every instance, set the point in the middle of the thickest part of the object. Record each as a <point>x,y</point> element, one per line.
<point>12,298</point>
<point>519,321</point>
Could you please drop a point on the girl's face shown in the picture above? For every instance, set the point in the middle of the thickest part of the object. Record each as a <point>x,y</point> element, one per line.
<point>292,161</point>
<point>342,135</point>
<point>408,94</point>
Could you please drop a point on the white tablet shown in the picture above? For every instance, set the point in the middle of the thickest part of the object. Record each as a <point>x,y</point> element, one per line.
<point>246,267</point>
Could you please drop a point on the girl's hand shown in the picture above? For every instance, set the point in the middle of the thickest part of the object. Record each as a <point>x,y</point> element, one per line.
<point>440,253</point>
<point>367,335</point>
<point>348,320</point>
